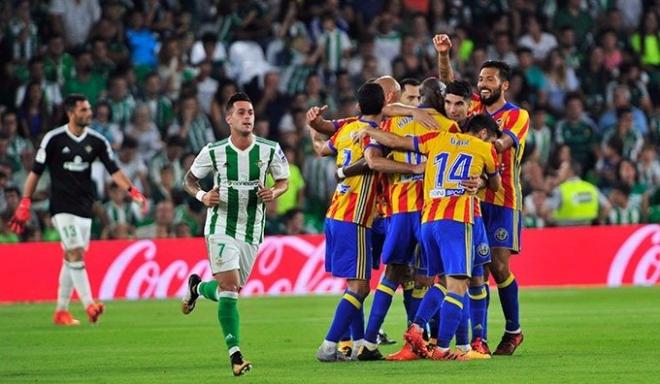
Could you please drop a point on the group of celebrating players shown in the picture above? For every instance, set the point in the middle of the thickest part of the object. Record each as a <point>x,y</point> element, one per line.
<point>429,183</point>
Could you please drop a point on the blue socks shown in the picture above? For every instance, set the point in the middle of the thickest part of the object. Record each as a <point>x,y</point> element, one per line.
<point>382,302</point>
<point>451,312</point>
<point>478,311</point>
<point>349,305</point>
<point>508,290</point>
<point>463,330</point>
<point>430,305</point>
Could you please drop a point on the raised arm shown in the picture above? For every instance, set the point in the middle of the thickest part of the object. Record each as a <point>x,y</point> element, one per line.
<point>320,144</point>
<point>442,44</point>
<point>389,140</point>
<point>316,121</point>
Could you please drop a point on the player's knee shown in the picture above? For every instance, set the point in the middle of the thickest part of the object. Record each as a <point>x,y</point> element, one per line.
<point>423,281</point>
<point>477,281</point>
<point>457,284</point>
<point>499,270</point>
<point>360,287</point>
<point>76,254</point>
<point>398,273</point>
<point>228,286</point>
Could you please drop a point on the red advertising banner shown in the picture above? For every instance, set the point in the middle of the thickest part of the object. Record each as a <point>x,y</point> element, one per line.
<point>141,269</point>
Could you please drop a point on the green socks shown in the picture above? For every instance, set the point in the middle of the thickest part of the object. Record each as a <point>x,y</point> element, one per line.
<point>208,289</point>
<point>228,317</point>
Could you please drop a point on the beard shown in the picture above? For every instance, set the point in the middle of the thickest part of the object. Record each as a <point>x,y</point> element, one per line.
<point>494,95</point>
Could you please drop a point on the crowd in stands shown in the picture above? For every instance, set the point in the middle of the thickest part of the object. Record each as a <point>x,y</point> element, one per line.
<point>158,74</point>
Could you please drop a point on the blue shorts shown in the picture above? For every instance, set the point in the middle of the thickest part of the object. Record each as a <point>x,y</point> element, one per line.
<point>448,246</point>
<point>378,231</point>
<point>347,250</point>
<point>481,245</point>
<point>503,226</point>
<point>405,233</point>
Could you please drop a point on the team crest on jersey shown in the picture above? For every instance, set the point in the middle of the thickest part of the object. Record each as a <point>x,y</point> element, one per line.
<point>88,148</point>
<point>483,249</point>
<point>501,234</point>
<point>261,163</point>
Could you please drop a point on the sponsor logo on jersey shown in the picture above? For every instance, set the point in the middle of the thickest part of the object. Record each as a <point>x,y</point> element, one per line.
<point>446,192</point>
<point>77,165</point>
<point>243,185</point>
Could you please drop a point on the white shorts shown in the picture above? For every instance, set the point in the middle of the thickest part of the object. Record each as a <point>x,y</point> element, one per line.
<point>226,254</point>
<point>74,230</point>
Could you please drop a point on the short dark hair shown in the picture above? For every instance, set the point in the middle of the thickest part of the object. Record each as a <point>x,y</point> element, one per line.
<point>460,88</point>
<point>238,96</point>
<point>433,92</point>
<point>622,111</point>
<point>72,100</point>
<point>524,49</point>
<point>12,188</point>
<point>129,143</point>
<point>622,187</point>
<point>573,96</point>
<point>175,140</point>
<point>371,99</point>
<point>503,69</point>
<point>409,81</point>
<point>477,122</point>
<point>616,144</point>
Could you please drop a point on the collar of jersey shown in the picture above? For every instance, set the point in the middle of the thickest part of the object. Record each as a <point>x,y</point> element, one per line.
<point>73,137</point>
<point>231,144</point>
<point>373,124</point>
<point>505,107</point>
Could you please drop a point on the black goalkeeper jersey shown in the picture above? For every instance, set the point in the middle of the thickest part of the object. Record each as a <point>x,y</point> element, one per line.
<point>69,160</point>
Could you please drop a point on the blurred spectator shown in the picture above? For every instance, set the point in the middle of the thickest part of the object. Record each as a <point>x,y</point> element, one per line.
<point>334,43</point>
<point>13,197</point>
<point>623,212</point>
<point>631,138</point>
<point>294,197</point>
<point>575,201</point>
<point>540,136</point>
<point>58,64</point>
<point>578,131</point>
<point>294,222</point>
<point>413,62</point>
<point>163,225</point>
<point>648,167</point>
<point>621,99</point>
<point>645,41</point>
<point>535,209</point>
<point>131,163</point>
<point>222,95</point>
<point>172,67</point>
<point>121,101</point>
<point>118,208</point>
<point>270,103</point>
<point>171,157</point>
<point>541,43</point>
<point>387,42</point>
<point>6,235</point>
<point>160,107</point>
<point>206,86</point>
<point>502,50</point>
<point>85,80</point>
<point>144,131</point>
<point>575,16</point>
<point>631,77</point>
<point>192,125</point>
<point>102,64</point>
<point>611,50</point>
<point>53,97</point>
<point>533,73</point>
<point>627,174</point>
<point>141,41</point>
<point>103,124</point>
<point>16,141</point>
<point>4,181</point>
<point>42,189</point>
<point>74,18</point>
<point>22,34</point>
<point>559,80</point>
<point>606,167</point>
<point>33,111</point>
<point>594,79</point>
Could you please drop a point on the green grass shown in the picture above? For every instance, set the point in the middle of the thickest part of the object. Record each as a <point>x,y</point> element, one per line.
<point>571,335</point>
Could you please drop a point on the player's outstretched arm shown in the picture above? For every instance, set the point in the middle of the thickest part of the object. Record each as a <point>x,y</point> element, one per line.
<point>320,144</point>
<point>359,167</point>
<point>420,115</point>
<point>22,213</point>
<point>316,121</point>
<point>124,182</point>
<point>378,163</point>
<point>191,185</point>
<point>442,44</point>
<point>387,139</point>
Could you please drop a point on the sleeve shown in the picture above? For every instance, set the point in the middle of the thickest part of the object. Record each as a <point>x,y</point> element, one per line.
<point>423,143</point>
<point>107,157</point>
<point>338,124</point>
<point>332,142</point>
<point>517,125</point>
<point>490,161</point>
<point>279,166</point>
<point>203,164</point>
<point>39,165</point>
<point>369,142</point>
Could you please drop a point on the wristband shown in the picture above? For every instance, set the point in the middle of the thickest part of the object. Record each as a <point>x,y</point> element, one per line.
<point>340,173</point>
<point>200,194</point>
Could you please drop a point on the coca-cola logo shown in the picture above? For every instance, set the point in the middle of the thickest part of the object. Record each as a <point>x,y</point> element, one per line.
<point>638,260</point>
<point>284,265</point>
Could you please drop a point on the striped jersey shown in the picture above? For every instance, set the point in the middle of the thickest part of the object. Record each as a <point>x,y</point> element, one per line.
<point>452,157</point>
<point>514,122</point>
<point>405,191</point>
<point>238,174</point>
<point>354,199</point>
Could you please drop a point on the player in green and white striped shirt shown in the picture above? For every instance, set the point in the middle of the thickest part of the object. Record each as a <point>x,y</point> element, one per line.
<point>236,214</point>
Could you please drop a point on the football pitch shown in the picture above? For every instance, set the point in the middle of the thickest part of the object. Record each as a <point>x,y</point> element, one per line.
<point>571,336</point>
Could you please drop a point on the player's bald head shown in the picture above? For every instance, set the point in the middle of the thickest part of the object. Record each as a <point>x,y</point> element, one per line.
<point>391,88</point>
